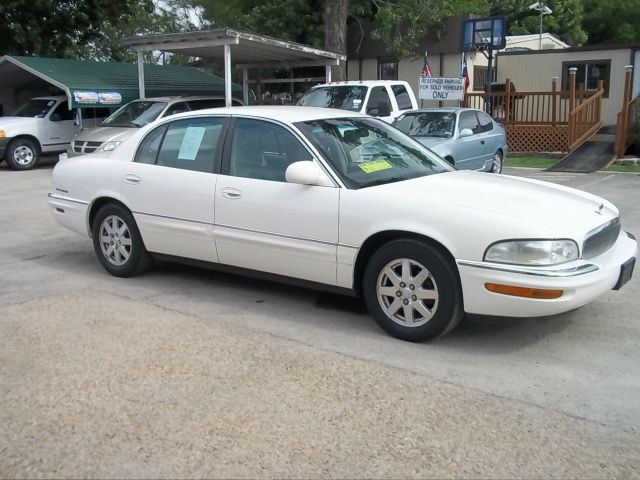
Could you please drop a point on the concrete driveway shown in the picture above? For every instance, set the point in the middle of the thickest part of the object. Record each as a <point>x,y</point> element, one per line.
<point>191,373</point>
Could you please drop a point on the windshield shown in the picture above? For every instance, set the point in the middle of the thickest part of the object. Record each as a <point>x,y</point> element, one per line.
<point>367,151</point>
<point>135,114</point>
<point>36,107</point>
<point>427,124</point>
<point>343,97</point>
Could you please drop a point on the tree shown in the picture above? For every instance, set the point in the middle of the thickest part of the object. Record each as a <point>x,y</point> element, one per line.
<point>565,21</point>
<point>52,27</point>
<point>612,21</point>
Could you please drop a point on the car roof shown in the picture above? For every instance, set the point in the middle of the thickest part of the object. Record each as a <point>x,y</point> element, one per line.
<point>176,98</point>
<point>50,97</point>
<point>366,83</point>
<point>443,109</point>
<point>290,114</point>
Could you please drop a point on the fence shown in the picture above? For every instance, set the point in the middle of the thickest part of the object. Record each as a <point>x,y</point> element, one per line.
<point>553,121</point>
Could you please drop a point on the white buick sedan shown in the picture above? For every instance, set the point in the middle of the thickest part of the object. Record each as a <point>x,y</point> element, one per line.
<point>344,202</point>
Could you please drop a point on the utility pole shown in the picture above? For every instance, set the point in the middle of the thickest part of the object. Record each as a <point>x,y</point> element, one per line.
<point>544,10</point>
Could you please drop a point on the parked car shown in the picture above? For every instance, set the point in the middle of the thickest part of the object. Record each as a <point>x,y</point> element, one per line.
<point>41,125</point>
<point>386,99</point>
<point>465,137</point>
<point>345,202</point>
<point>138,113</point>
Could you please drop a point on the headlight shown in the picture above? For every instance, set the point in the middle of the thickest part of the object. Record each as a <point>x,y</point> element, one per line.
<point>108,146</point>
<point>2,134</point>
<point>532,252</point>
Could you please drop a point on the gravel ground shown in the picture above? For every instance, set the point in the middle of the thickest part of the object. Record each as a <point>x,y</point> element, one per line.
<point>89,391</point>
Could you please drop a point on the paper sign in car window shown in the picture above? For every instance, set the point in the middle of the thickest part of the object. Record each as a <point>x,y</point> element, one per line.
<point>191,143</point>
<point>375,166</point>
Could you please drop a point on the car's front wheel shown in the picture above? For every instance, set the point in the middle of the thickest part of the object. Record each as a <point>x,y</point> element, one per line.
<point>496,163</point>
<point>117,242</point>
<point>22,154</point>
<point>412,290</point>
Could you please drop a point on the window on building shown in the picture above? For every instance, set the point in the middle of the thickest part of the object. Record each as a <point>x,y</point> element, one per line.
<point>480,77</point>
<point>588,74</point>
<point>387,69</point>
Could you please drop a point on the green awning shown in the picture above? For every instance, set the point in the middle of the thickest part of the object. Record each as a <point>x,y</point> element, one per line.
<point>93,84</point>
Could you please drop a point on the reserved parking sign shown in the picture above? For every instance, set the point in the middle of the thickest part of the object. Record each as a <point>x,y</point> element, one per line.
<point>441,88</point>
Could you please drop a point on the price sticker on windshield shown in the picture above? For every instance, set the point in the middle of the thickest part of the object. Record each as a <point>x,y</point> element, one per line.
<point>375,166</point>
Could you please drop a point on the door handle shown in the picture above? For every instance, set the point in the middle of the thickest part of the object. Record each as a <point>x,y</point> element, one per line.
<point>231,193</point>
<point>482,142</point>
<point>132,179</point>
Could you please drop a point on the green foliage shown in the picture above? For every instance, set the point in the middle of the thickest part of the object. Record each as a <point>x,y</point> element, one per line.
<point>565,21</point>
<point>612,21</point>
<point>294,20</point>
<point>84,28</point>
<point>401,23</point>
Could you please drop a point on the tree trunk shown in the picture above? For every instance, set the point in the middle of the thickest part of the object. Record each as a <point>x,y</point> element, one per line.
<point>335,33</point>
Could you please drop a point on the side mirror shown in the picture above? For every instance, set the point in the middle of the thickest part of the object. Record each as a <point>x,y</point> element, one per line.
<point>466,132</point>
<point>55,117</point>
<point>306,173</point>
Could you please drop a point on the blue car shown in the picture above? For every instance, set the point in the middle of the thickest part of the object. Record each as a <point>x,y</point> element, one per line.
<point>465,137</point>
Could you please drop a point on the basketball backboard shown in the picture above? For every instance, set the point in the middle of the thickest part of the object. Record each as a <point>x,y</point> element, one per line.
<point>484,34</point>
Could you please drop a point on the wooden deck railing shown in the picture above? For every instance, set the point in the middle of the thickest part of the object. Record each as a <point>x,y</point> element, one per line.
<point>585,120</point>
<point>544,121</point>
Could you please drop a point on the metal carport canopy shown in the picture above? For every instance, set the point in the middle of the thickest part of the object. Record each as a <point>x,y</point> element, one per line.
<point>247,49</point>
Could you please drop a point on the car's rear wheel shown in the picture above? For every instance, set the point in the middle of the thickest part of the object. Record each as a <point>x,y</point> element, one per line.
<point>117,242</point>
<point>22,154</point>
<point>496,163</point>
<point>412,290</point>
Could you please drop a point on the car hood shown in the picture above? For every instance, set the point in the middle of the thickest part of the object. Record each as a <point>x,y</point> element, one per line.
<point>434,143</point>
<point>106,134</point>
<point>15,123</point>
<point>531,206</point>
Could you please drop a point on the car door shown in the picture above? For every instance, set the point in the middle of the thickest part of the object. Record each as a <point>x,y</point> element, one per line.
<point>170,186</point>
<point>492,137</point>
<point>59,128</point>
<point>264,223</point>
<point>468,152</point>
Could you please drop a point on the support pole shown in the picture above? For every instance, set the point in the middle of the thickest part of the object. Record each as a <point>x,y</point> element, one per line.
<point>572,105</point>
<point>245,86</point>
<point>327,70</point>
<point>507,102</point>
<point>487,95</point>
<point>628,72</point>
<point>554,100</point>
<point>141,74</point>
<point>227,75</point>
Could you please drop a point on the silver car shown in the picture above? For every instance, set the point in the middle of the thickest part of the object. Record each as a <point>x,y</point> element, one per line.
<point>128,119</point>
<point>465,137</point>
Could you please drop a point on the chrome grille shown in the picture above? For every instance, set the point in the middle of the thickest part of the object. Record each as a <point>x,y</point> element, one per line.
<point>601,239</point>
<point>85,147</point>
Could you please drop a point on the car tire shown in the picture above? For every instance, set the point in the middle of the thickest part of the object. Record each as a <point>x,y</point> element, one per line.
<point>496,162</point>
<point>118,243</point>
<point>412,290</point>
<point>22,154</point>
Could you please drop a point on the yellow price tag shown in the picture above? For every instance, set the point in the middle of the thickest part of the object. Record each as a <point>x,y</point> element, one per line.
<point>375,166</point>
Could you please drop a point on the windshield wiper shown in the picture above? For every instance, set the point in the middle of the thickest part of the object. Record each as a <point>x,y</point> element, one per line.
<point>382,181</point>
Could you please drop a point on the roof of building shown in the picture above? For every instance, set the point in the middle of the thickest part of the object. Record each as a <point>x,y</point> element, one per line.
<point>90,83</point>
<point>512,39</point>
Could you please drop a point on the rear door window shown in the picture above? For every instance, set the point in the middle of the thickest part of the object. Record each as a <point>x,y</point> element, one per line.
<point>402,97</point>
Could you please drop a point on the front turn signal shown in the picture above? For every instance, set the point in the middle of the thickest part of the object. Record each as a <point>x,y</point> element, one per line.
<point>536,293</point>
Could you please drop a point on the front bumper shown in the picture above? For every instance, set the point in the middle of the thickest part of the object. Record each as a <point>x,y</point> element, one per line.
<point>580,281</point>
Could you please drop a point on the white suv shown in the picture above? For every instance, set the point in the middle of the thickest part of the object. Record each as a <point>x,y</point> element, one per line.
<point>41,125</point>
